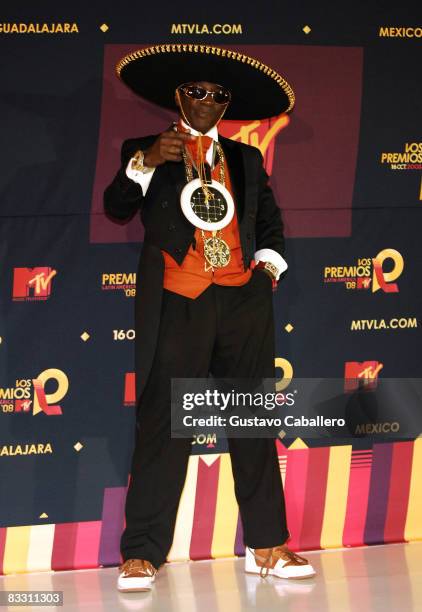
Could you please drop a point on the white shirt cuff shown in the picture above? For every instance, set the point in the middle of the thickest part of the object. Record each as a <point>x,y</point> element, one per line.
<point>142,178</point>
<point>272,257</point>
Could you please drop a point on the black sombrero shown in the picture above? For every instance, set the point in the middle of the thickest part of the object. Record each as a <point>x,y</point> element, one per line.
<point>258,91</point>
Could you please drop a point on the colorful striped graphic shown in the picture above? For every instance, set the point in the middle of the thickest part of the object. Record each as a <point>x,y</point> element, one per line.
<point>205,505</point>
<point>398,497</point>
<point>184,521</point>
<point>87,544</point>
<point>378,493</point>
<point>111,524</point>
<point>64,546</point>
<point>414,511</point>
<point>16,549</point>
<point>41,541</point>
<point>295,492</point>
<point>335,497</point>
<point>336,494</point>
<point>314,500</point>
<point>239,546</point>
<point>357,499</point>
<point>226,511</point>
<point>3,532</point>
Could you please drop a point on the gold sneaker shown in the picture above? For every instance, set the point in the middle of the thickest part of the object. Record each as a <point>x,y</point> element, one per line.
<point>136,575</point>
<point>277,561</point>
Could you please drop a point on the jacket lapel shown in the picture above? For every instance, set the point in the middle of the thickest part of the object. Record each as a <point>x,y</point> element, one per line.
<point>235,165</point>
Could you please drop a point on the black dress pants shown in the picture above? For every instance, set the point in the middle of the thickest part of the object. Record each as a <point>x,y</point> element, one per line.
<point>228,331</point>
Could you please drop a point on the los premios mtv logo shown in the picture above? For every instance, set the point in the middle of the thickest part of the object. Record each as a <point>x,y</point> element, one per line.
<point>369,273</point>
<point>28,395</point>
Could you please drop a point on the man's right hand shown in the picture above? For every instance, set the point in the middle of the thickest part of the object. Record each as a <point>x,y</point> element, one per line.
<point>168,147</point>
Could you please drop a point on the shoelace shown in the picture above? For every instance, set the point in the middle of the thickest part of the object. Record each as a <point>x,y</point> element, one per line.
<point>289,555</point>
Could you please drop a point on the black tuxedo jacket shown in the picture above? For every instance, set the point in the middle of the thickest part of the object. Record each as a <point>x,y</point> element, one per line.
<point>166,227</point>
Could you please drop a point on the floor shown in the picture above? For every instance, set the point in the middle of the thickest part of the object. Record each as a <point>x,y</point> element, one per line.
<point>374,578</point>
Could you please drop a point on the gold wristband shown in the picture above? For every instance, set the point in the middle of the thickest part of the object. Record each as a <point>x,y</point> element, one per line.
<point>138,163</point>
<point>272,269</point>
<point>269,267</point>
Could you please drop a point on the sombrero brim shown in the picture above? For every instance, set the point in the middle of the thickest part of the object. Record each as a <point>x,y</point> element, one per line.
<point>258,91</point>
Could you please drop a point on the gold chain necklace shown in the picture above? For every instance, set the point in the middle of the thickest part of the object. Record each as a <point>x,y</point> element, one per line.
<point>216,250</point>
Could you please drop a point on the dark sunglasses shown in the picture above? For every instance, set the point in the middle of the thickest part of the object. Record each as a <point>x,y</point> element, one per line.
<point>220,96</point>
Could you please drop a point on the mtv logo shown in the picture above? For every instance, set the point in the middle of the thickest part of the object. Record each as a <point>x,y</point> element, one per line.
<point>363,283</point>
<point>358,374</point>
<point>23,405</point>
<point>35,282</point>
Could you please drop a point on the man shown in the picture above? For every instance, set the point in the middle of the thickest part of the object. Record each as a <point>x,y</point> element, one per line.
<point>212,254</point>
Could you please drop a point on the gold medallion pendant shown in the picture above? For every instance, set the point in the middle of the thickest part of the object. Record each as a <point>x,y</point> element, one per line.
<point>216,252</point>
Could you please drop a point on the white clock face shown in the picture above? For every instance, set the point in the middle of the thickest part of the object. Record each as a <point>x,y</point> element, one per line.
<point>212,214</point>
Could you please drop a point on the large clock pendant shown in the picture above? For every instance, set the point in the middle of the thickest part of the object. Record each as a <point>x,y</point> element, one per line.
<point>209,210</point>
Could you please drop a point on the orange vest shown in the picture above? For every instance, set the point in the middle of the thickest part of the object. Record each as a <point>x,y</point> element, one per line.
<point>190,278</point>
